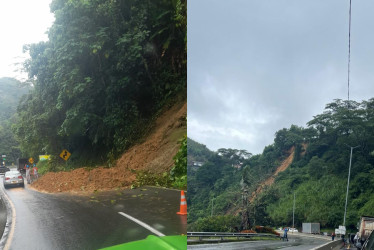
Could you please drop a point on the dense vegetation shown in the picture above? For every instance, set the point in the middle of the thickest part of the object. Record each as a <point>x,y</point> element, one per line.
<point>11,91</point>
<point>106,70</point>
<point>317,176</point>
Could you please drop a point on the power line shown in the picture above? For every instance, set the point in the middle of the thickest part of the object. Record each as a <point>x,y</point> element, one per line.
<point>349,43</point>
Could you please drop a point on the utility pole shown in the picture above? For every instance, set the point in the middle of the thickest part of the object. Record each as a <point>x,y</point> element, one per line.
<point>254,213</point>
<point>349,175</point>
<point>293,213</point>
<point>211,214</point>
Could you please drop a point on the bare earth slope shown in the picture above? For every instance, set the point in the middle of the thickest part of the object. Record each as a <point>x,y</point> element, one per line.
<point>154,154</point>
<point>284,165</point>
<point>271,179</point>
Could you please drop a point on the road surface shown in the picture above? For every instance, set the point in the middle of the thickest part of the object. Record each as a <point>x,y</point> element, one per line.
<point>66,221</point>
<point>296,242</point>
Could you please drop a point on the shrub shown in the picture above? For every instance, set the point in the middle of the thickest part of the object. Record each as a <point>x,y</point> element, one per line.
<point>220,223</point>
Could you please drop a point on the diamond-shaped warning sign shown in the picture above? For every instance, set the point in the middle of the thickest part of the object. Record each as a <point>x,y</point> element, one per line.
<point>65,154</point>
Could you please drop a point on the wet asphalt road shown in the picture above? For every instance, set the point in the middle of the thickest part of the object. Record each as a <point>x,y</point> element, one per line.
<point>65,221</point>
<point>296,242</point>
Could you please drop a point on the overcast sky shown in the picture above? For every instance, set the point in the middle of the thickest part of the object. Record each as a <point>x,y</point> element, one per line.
<point>21,22</point>
<point>255,67</point>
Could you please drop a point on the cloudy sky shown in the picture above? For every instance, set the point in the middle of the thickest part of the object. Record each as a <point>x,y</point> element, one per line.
<point>255,67</point>
<point>21,22</point>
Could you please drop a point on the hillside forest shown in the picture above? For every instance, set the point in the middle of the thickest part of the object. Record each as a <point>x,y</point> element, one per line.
<point>11,91</point>
<point>97,85</point>
<point>221,190</point>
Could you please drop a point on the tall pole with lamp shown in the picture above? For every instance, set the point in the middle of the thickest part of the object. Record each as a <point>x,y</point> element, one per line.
<point>349,175</point>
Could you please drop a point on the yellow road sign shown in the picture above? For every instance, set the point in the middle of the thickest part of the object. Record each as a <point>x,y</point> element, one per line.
<point>44,157</point>
<point>31,160</point>
<point>65,154</point>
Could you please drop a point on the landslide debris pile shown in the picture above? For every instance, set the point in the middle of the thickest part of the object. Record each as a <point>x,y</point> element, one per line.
<point>155,154</point>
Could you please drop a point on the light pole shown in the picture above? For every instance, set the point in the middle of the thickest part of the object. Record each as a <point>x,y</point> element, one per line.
<point>349,175</point>
<point>293,213</point>
<point>211,214</point>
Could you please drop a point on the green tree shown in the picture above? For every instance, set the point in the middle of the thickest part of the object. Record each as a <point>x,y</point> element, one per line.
<point>106,70</point>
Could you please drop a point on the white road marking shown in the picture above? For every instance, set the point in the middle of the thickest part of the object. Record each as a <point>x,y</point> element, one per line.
<point>13,221</point>
<point>146,226</point>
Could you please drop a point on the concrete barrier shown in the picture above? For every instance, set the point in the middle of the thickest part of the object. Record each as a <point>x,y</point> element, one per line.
<point>3,216</point>
<point>336,244</point>
<point>7,220</point>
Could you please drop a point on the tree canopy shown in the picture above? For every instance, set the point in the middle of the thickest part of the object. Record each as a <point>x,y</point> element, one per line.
<point>106,69</point>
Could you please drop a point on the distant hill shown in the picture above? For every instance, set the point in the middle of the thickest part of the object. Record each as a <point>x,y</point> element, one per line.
<point>11,90</point>
<point>197,154</point>
<point>317,160</point>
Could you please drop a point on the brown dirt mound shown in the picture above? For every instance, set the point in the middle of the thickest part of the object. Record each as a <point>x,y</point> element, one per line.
<point>155,154</point>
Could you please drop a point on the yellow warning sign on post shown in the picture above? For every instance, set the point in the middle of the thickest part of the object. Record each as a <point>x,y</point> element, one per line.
<point>31,160</point>
<point>65,154</point>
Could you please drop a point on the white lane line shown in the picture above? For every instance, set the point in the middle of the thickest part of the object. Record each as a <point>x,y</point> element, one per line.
<point>146,226</point>
<point>12,221</point>
<point>11,233</point>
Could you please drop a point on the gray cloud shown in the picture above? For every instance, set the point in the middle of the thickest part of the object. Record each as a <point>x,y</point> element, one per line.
<point>255,67</point>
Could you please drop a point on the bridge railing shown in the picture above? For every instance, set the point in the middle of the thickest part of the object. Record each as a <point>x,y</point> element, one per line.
<point>219,236</point>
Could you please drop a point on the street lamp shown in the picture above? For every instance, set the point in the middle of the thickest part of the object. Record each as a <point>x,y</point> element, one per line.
<point>349,175</point>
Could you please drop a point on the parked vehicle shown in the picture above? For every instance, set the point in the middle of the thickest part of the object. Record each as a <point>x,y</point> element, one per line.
<point>3,169</point>
<point>369,243</point>
<point>13,178</point>
<point>365,228</point>
<point>311,228</point>
<point>293,230</point>
<point>21,164</point>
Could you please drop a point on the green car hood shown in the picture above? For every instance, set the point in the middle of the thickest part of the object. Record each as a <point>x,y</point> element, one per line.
<point>178,242</point>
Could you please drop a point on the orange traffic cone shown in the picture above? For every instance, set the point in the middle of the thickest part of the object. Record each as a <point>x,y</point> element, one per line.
<point>183,207</point>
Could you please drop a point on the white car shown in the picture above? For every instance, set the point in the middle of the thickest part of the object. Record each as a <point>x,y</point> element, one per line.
<point>13,178</point>
<point>293,230</point>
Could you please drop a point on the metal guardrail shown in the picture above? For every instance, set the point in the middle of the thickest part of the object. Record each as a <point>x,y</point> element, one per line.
<point>221,235</point>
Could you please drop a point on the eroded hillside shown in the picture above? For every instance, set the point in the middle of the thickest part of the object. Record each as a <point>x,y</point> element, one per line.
<point>155,154</point>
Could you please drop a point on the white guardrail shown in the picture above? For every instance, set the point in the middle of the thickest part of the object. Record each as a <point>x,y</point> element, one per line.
<point>218,236</point>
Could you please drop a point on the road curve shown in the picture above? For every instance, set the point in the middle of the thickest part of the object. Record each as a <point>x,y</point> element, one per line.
<point>65,221</point>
